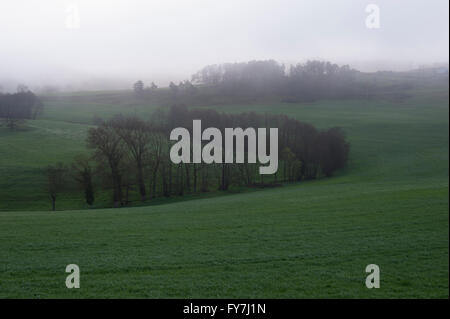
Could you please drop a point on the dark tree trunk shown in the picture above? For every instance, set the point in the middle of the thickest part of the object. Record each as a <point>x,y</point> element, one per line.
<point>117,189</point>
<point>195,178</point>
<point>180,179</point>
<point>170,179</point>
<point>140,179</point>
<point>53,197</point>
<point>165,182</point>
<point>222,181</point>
<point>204,185</point>
<point>127,193</point>
<point>188,178</point>
<point>248,173</point>
<point>89,192</point>
<point>153,183</point>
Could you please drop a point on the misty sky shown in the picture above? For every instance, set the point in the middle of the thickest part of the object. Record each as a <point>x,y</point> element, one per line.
<point>125,40</point>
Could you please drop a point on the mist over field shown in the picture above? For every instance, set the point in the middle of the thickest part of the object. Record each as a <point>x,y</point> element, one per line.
<point>272,149</point>
<point>103,44</point>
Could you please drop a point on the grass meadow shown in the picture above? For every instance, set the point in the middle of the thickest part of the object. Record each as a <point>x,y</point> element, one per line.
<point>308,240</point>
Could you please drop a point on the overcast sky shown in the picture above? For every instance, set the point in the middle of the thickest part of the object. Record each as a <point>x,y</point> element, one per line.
<point>58,41</point>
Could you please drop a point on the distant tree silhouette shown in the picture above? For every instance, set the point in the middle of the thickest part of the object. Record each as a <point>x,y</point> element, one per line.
<point>138,88</point>
<point>303,82</point>
<point>173,89</point>
<point>153,86</point>
<point>17,107</point>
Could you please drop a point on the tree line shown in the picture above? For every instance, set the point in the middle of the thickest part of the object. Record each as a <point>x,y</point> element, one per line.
<point>260,80</point>
<point>269,80</point>
<point>131,156</point>
<point>303,81</point>
<point>174,93</point>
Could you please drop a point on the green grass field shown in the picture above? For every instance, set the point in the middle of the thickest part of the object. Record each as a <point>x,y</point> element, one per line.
<point>307,240</point>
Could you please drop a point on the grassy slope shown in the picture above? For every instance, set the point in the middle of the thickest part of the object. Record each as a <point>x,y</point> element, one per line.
<point>390,207</point>
<point>25,154</point>
<point>58,136</point>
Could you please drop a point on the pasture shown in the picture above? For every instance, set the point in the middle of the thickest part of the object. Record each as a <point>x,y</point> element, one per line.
<point>307,240</point>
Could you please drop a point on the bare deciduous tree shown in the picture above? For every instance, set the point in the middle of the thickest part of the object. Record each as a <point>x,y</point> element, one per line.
<point>82,172</point>
<point>136,135</point>
<point>109,148</point>
<point>56,181</point>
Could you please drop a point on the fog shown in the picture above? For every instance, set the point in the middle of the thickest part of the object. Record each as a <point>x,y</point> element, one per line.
<point>95,44</point>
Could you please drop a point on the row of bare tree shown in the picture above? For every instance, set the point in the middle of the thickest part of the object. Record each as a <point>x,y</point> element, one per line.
<point>131,156</point>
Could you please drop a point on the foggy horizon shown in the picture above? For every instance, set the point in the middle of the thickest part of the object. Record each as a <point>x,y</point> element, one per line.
<point>101,45</point>
<point>224,158</point>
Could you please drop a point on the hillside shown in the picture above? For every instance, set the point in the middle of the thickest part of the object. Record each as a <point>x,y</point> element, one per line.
<point>312,239</point>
